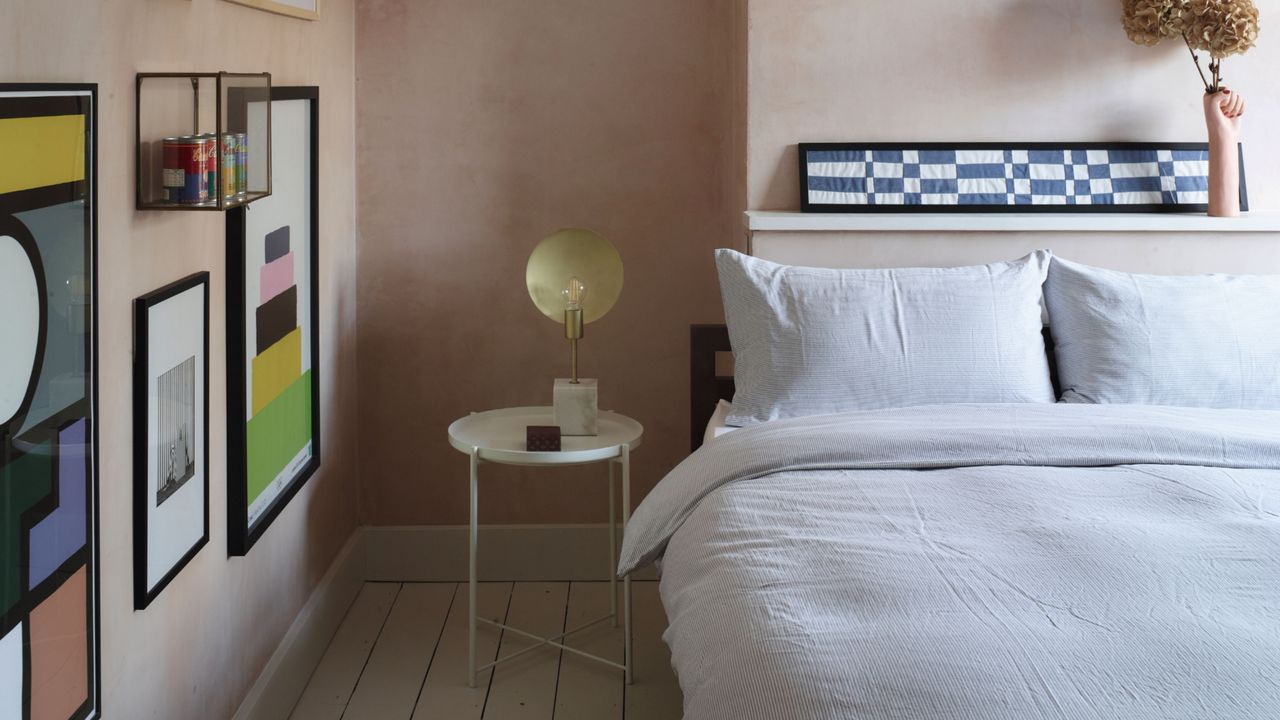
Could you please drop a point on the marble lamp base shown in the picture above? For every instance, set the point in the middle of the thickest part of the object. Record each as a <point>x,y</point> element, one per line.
<point>575,406</point>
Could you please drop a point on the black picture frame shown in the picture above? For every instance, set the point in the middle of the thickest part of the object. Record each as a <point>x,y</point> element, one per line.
<point>87,190</point>
<point>241,534</point>
<point>142,488</point>
<point>809,207</point>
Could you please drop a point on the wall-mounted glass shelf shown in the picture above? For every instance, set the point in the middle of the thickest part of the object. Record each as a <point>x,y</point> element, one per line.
<point>203,140</point>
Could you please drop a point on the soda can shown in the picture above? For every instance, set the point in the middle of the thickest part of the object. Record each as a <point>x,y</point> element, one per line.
<point>229,154</point>
<point>211,162</point>
<point>184,170</point>
<point>242,163</point>
<point>172,179</point>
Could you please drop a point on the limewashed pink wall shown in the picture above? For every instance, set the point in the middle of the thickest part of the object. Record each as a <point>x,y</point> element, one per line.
<point>199,647</point>
<point>996,70</point>
<point>886,70</point>
<point>482,127</point>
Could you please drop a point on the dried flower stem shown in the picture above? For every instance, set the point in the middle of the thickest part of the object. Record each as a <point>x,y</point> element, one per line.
<point>1196,58</point>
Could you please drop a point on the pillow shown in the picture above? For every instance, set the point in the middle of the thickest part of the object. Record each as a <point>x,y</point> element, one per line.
<point>811,341</point>
<point>716,426</point>
<point>1192,341</point>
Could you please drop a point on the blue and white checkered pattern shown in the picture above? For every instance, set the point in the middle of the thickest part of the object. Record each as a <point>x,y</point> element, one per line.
<point>1008,177</point>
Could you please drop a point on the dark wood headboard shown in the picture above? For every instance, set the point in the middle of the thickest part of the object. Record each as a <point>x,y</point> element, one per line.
<point>707,385</point>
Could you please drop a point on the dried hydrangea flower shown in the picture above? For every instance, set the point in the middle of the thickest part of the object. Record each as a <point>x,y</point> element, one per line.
<point>1221,27</point>
<point>1147,22</point>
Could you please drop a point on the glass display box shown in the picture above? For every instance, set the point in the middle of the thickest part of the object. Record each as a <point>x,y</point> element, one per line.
<point>203,140</point>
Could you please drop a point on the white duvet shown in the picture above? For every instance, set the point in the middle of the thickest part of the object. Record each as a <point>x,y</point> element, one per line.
<point>979,561</point>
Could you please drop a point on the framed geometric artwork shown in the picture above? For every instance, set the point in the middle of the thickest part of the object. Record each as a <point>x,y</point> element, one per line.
<point>1007,177</point>
<point>305,9</point>
<point>273,389</point>
<point>49,617</point>
<point>170,432</point>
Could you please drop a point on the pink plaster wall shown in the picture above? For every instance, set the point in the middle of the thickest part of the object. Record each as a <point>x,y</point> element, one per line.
<point>482,127</point>
<point>886,70</point>
<point>199,647</point>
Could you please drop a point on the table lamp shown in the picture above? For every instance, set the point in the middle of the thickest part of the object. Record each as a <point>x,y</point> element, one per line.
<point>574,277</point>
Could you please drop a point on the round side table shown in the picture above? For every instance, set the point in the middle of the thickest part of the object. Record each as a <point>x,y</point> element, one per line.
<point>498,436</point>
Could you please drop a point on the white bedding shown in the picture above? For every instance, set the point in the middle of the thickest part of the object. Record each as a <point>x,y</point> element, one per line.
<point>980,561</point>
<point>812,341</point>
<point>716,425</point>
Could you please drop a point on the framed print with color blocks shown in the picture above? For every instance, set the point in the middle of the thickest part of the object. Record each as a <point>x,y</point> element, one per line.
<point>49,576</point>
<point>273,397</point>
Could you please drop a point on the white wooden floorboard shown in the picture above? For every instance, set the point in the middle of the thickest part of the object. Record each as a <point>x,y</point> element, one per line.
<point>589,690</point>
<point>445,695</point>
<point>655,692</point>
<point>526,686</point>
<point>330,687</point>
<point>401,645</point>
<point>390,683</point>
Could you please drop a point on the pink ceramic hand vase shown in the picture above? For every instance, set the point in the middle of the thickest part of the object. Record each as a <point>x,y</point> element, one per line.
<point>1222,112</point>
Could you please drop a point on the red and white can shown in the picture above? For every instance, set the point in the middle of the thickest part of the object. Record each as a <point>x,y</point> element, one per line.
<point>185,178</point>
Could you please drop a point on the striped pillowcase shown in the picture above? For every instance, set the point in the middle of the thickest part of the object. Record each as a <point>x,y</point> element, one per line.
<point>1191,341</point>
<point>813,341</point>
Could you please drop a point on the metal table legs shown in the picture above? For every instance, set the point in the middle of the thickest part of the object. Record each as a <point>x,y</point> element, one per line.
<point>623,459</point>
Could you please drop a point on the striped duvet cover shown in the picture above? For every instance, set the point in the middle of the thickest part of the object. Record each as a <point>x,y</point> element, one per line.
<point>975,561</point>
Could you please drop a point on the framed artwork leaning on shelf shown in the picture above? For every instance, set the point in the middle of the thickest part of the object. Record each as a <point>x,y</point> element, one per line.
<point>1067,177</point>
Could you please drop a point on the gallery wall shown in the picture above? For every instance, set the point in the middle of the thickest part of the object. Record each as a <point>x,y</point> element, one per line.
<point>201,644</point>
<point>482,128</point>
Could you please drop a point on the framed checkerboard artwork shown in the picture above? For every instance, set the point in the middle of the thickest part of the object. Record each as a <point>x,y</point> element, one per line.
<point>1004,177</point>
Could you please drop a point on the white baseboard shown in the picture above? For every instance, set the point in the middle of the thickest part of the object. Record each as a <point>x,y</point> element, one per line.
<point>286,674</point>
<point>419,554</point>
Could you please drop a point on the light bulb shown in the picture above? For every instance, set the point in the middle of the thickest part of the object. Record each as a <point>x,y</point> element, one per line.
<point>574,294</point>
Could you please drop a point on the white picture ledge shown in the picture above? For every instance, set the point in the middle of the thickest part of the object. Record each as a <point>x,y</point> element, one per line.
<point>304,9</point>
<point>777,221</point>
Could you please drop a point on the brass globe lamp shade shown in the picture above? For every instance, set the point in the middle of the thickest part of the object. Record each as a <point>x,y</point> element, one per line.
<point>574,277</point>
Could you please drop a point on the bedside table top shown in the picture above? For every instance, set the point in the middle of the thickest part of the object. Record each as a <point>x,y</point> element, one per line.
<point>500,437</point>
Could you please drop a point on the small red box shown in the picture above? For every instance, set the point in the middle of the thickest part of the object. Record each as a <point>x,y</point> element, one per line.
<point>542,438</point>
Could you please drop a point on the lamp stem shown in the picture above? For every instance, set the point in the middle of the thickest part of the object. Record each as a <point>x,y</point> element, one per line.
<point>573,361</point>
<point>573,331</point>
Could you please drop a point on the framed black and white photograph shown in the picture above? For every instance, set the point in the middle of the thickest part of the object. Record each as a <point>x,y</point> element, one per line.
<point>273,345</point>
<point>171,432</point>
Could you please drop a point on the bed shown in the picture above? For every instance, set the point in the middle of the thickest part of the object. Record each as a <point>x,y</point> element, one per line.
<point>970,560</point>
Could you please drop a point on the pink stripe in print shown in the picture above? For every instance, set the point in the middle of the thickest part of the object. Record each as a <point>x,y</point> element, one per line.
<point>276,277</point>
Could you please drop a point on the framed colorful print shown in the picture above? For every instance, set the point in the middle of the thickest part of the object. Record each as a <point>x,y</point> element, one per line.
<point>273,396</point>
<point>170,432</point>
<point>49,617</point>
<point>305,9</point>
